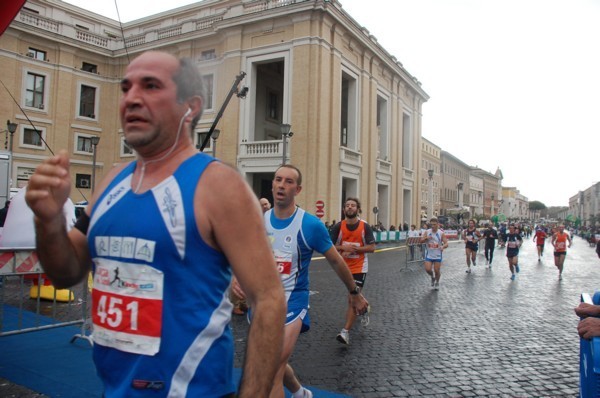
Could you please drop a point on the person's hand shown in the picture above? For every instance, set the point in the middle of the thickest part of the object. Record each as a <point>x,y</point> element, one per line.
<point>584,310</point>
<point>237,289</point>
<point>359,303</point>
<point>589,327</point>
<point>49,187</point>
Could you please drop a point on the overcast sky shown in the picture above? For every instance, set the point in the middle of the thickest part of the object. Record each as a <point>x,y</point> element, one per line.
<point>514,84</point>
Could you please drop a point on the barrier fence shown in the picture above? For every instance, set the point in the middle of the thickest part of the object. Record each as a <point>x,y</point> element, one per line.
<point>402,236</point>
<point>29,303</point>
<point>414,252</point>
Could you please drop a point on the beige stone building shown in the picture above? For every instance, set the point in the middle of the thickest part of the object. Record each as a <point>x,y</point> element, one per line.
<point>455,189</point>
<point>515,206</point>
<point>354,111</point>
<point>431,163</point>
<point>491,191</point>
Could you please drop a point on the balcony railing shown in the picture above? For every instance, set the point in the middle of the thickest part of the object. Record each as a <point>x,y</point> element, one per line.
<point>261,149</point>
<point>350,156</point>
<point>384,166</point>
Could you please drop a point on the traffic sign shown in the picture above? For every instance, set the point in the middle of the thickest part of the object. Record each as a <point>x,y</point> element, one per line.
<point>320,204</point>
<point>320,213</point>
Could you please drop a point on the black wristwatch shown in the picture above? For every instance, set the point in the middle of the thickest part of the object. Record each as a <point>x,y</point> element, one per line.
<point>355,291</point>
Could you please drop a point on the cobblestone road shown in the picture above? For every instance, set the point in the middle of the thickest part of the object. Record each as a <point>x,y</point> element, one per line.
<point>480,335</point>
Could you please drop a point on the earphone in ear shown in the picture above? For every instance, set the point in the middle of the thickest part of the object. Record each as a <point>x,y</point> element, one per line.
<point>187,112</point>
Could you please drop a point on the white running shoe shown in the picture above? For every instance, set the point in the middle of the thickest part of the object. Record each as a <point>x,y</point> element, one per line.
<point>468,271</point>
<point>432,281</point>
<point>344,337</point>
<point>307,393</point>
<point>437,286</point>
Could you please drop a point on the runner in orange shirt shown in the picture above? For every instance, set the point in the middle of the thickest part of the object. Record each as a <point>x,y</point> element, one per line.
<point>540,238</point>
<point>559,241</point>
<point>353,238</point>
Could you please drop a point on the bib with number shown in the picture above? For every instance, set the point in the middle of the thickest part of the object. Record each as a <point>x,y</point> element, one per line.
<point>127,306</point>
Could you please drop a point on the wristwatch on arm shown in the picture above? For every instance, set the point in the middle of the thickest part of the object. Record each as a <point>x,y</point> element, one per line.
<point>355,291</point>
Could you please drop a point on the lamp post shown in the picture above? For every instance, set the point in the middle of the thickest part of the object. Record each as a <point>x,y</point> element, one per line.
<point>214,136</point>
<point>95,141</point>
<point>492,206</point>
<point>460,202</point>
<point>285,133</point>
<point>10,129</point>
<point>430,204</point>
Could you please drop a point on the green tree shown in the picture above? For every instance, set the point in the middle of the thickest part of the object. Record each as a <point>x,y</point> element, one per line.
<point>536,205</point>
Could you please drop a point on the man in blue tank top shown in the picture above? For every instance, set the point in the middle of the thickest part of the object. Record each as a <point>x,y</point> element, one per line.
<point>162,236</point>
<point>294,235</point>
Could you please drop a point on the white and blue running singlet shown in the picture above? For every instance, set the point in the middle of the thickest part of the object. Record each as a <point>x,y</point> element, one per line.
<point>160,306</point>
<point>434,246</point>
<point>293,241</point>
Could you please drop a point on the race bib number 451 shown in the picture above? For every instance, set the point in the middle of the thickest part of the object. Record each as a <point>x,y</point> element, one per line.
<point>127,304</point>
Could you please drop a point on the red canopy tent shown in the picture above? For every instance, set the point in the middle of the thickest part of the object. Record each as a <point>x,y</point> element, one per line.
<point>8,12</point>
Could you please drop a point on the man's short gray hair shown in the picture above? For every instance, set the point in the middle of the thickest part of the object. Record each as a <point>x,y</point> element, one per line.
<point>189,84</point>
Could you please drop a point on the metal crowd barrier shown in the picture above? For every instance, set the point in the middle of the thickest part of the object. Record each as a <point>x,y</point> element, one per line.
<point>415,252</point>
<point>29,303</point>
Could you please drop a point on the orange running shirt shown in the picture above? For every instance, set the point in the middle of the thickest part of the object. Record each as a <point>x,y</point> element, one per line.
<point>357,262</point>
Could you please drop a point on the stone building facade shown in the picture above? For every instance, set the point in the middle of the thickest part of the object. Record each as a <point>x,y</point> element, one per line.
<point>354,110</point>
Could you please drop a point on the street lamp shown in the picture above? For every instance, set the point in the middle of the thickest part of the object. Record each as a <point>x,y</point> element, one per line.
<point>285,133</point>
<point>214,136</point>
<point>430,204</point>
<point>95,141</point>
<point>10,128</point>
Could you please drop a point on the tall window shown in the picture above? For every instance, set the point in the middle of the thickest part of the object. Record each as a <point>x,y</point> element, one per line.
<point>348,112</point>
<point>32,138</point>
<point>406,142</point>
<point>208,81</point>
<point>84,144</point>
<point>382,127</point>
<point>87,101</point>
<point>34,91</point>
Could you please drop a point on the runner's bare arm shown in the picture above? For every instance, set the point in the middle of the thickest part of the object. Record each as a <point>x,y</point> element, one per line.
<point>230,220</point>
<point>359,302</point>
<point>62,259</point>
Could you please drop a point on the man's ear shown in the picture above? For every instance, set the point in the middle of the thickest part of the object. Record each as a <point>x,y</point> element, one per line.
<point>195,105</point>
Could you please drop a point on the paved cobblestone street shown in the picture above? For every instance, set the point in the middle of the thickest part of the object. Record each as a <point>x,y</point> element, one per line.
<point>481,334</point>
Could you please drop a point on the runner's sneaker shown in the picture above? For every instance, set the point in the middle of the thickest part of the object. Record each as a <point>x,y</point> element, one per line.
<point>560,277</point>
<point>512,277</point>
<point>468,271</point>
<point>344,337</point>
<point>437,286</point>
<point>365,320</point>
<point>307,393</point>
<point>432,280</point>
<point>517,268</point>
